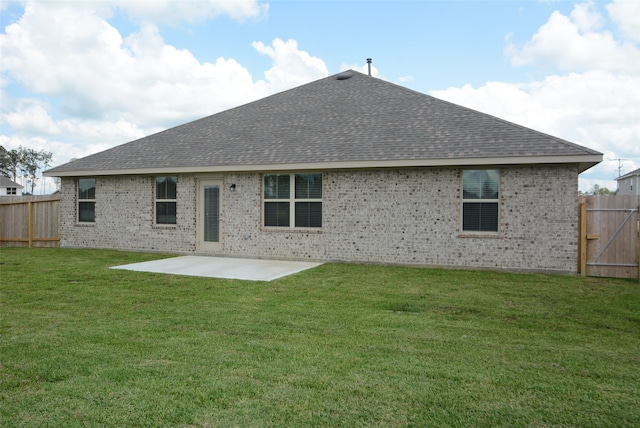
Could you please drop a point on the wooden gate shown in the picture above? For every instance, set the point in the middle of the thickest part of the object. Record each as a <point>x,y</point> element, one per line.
<point>610,236</point>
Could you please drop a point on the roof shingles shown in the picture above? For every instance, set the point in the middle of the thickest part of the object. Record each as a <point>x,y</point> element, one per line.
<point>360,119</point>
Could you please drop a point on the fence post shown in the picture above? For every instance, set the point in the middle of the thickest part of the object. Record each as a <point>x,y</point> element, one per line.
<point>30,209</point>
<point>638,239</point>
<point>583,239</point>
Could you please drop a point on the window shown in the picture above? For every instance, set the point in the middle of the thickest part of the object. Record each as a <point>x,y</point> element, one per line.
<point>480,200</point>
<point>87,200</point>
<point>14,190</point>
<point>297,205</point>
<point>166,200</point>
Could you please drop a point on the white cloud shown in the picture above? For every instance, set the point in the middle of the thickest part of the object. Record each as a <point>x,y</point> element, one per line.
<point>167,11</point>
<point>171,12</point>
<point>577,42</point>
<point>626,15</point>
<point>30,117</point>
<point>291,66</point>
<point>586,18</point>
<point>98,75</point>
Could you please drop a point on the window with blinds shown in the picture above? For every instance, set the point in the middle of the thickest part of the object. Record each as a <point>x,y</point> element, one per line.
<point>293,200</point>
<point>86,200</point>
<point>481,200</point>
<point>166,189</point>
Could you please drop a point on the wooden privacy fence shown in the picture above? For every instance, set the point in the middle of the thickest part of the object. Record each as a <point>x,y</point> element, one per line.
<point>30,221</point>
<point>609,236</point>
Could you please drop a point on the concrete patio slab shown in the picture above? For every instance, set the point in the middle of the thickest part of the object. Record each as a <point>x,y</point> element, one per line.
<point>222,267</point>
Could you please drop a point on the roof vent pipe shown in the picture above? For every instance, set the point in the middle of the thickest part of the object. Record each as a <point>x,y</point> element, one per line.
<point>369,63</point>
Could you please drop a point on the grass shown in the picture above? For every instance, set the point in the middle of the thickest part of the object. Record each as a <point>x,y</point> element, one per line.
<point>339,345</point>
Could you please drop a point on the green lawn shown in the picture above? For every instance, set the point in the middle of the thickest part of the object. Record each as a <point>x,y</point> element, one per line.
<point>339,345</point>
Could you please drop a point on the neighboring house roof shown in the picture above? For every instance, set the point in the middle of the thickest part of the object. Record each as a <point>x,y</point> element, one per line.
<point>7,182</point>
<point>349,120</point>
<point>630,174</point>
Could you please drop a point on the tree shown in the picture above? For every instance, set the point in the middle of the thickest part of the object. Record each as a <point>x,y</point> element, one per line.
<point>10,161</point>
<point>27,161</point>
<point>32,161</point>
<point>5,170</point>
<point>597,190</point>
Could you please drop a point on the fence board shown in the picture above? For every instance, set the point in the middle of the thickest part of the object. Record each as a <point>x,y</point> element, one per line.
<point>30,222</point>
<point>611,236</point>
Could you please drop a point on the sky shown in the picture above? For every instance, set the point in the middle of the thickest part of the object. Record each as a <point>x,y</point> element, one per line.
<point>79,77</point>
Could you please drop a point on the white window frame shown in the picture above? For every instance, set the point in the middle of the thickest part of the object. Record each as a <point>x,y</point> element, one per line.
<point>292,200</point>
<point>480,201</point>
<point>164,200</point>
<point>86,200</point>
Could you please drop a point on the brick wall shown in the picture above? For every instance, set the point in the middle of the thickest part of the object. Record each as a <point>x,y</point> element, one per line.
<point>385,216</point>
<point>125,216</point>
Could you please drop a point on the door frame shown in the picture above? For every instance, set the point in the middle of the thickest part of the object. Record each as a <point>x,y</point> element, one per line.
<point>200,213</point>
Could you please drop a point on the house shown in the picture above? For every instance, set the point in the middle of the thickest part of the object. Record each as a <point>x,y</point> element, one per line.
<point>9,187</point>
<point>345,168</point>
<point>629,184</point>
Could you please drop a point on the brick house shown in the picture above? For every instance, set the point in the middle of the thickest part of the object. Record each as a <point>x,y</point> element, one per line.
<point>346,168</point>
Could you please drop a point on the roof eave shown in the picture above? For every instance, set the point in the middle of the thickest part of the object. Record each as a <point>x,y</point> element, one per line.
<point>584,162</point>
<point>631,174</point>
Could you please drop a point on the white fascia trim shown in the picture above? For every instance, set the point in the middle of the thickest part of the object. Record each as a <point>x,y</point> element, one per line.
<point>585,162</point>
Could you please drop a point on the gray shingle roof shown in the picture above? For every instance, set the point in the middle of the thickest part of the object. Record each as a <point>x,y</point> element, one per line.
<point>359,120</point>
<point>629,174</point>
<point>7,182</point>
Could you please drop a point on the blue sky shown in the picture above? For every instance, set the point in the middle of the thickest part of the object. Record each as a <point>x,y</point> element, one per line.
<point>77,77</point>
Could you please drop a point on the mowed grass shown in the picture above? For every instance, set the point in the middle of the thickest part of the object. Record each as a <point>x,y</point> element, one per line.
<point>82,345</point>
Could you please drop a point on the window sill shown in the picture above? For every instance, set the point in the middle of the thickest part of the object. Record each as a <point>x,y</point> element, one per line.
<point>316,231</point>
<point>85,224</point>
<point>483,235</point>
<point>165,226</point>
